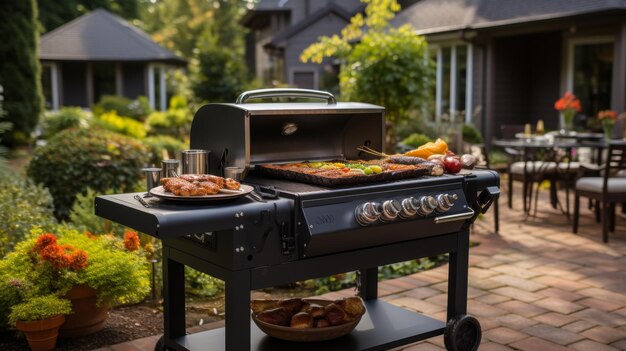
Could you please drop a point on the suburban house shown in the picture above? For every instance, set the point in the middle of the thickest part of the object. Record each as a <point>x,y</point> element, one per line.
<point>505,62</point>
<point>281,29</point>
<point>499,62</point>
<point>101,54</point>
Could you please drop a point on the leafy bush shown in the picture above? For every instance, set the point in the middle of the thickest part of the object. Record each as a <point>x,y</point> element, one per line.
<point>159,144</point>
<point>48,264</point>
<point>20,71</point>
<point>136,109</point>
<point>416,140</point>
<point>75,160</point>
<point>175,122</point>
<point>22,206</point>
<point>38,308</point>
<point>201,284</point>
<point>83,216</point>
<point>471,134</point>
<point>123,125</point>
<point>65,118</point>
<point>345,280</point>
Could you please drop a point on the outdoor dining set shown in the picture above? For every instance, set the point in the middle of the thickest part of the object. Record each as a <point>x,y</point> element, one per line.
<point>589,165</point>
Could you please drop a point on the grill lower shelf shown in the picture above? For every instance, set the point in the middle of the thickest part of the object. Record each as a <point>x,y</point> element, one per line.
<point>384,326</point>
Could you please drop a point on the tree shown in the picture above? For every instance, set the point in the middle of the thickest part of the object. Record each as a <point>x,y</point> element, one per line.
<point>221,74</point>
<point>53,13</point>
<point>387,66</point>
<point>20,69</point>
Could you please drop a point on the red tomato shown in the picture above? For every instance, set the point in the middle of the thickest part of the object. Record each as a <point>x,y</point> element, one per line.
<point>452,164</point>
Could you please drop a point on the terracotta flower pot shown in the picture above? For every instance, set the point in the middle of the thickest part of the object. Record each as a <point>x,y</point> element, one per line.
<point>87,318</point>
<point>42,334</point>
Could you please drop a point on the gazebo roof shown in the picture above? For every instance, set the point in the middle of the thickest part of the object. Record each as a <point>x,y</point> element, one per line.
<point>102,36</point>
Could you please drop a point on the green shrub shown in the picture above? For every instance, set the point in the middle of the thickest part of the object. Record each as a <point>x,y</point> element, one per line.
<point>76,159</point>
<point>158,144</point>
<point>123,125</point>
<point>23,205</point>
<point>173,122</point>
<point>471,134</point>
<point>48,264</point>
<point>201,284</point>
<point>20,71</point>
<point>416,139</point>
<point>345,280</point>
<point>38,308</point>
<point>83,216</point>
<point>136,109</point>
<point>65,118</point>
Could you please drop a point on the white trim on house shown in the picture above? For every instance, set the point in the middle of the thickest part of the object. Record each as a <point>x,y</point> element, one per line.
<point>453,79</point>
<point>54,81</point>
<point>439,85</point>
<point>469,86</point>
<point>151,89</point>
<point>571,44</point>
<point>162,88</point>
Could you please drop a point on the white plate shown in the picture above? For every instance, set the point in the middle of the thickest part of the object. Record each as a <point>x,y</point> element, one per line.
<point>224,194</point>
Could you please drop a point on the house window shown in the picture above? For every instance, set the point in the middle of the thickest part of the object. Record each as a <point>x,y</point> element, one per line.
<point>453,88</point>
<point>304,79</point>
<point>590,71</point>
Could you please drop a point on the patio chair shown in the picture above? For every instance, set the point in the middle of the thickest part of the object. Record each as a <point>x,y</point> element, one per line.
<point>607,190</point>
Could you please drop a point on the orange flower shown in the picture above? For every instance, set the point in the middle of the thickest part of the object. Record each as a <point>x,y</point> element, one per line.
<point>44,241</point>
<point>607,114</point>
<point>567,102</point>
<point>78,260</point>
<point>55,254</point>
<point>89,234</point>
<point>131,240</point>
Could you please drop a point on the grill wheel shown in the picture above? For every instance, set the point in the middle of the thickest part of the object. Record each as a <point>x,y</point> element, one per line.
<point>462,333</point>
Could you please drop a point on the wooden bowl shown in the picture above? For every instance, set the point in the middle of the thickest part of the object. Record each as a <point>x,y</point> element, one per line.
<point>307,334</point>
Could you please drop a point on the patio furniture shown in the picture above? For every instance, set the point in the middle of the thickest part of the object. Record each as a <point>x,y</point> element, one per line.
<point>607,190</point>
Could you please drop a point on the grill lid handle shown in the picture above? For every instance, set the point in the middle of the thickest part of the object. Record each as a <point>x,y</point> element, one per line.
<point>286,92</point>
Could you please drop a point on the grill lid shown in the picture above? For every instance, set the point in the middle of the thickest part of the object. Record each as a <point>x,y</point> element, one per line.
<point>247,134</point>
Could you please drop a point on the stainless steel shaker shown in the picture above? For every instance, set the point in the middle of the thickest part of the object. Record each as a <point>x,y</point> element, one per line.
<point>195,161</point>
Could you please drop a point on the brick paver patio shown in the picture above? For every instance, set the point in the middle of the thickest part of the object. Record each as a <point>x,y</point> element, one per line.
<point>535,286</point>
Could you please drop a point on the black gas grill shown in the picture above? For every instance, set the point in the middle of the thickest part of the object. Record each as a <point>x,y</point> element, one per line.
<point>301,231</point>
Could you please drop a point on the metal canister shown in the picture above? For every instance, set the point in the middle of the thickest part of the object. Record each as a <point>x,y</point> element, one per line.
<point>153,177</point>
<point>169,168</point>
<point>195,161</point>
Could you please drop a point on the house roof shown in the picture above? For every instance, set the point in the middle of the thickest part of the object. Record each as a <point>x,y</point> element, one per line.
<point>102,36</point>
<point>261,10</point>
<point>280,40</point>
<point>437,16</point>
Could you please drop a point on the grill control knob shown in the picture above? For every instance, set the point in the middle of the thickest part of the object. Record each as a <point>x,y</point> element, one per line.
<point>367,213</point>
<point>445,201</point>
<point>389,210</point>
<point>427,205</point>
<point>409,208</point>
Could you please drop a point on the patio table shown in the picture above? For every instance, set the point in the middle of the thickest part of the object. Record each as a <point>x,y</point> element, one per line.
<point>557,150</point>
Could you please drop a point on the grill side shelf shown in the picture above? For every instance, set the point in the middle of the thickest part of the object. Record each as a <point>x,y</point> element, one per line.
<point>166,219</point>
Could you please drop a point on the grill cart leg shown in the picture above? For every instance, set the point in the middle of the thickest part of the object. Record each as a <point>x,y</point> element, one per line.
<point>462,332</point>
<point>173,299</point>
<point>238,311</point>
<point>368,288</point>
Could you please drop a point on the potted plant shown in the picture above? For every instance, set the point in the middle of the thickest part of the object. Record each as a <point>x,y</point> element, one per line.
<point>94,272</point>
<point>39,318</point>
<point>568,105</point>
